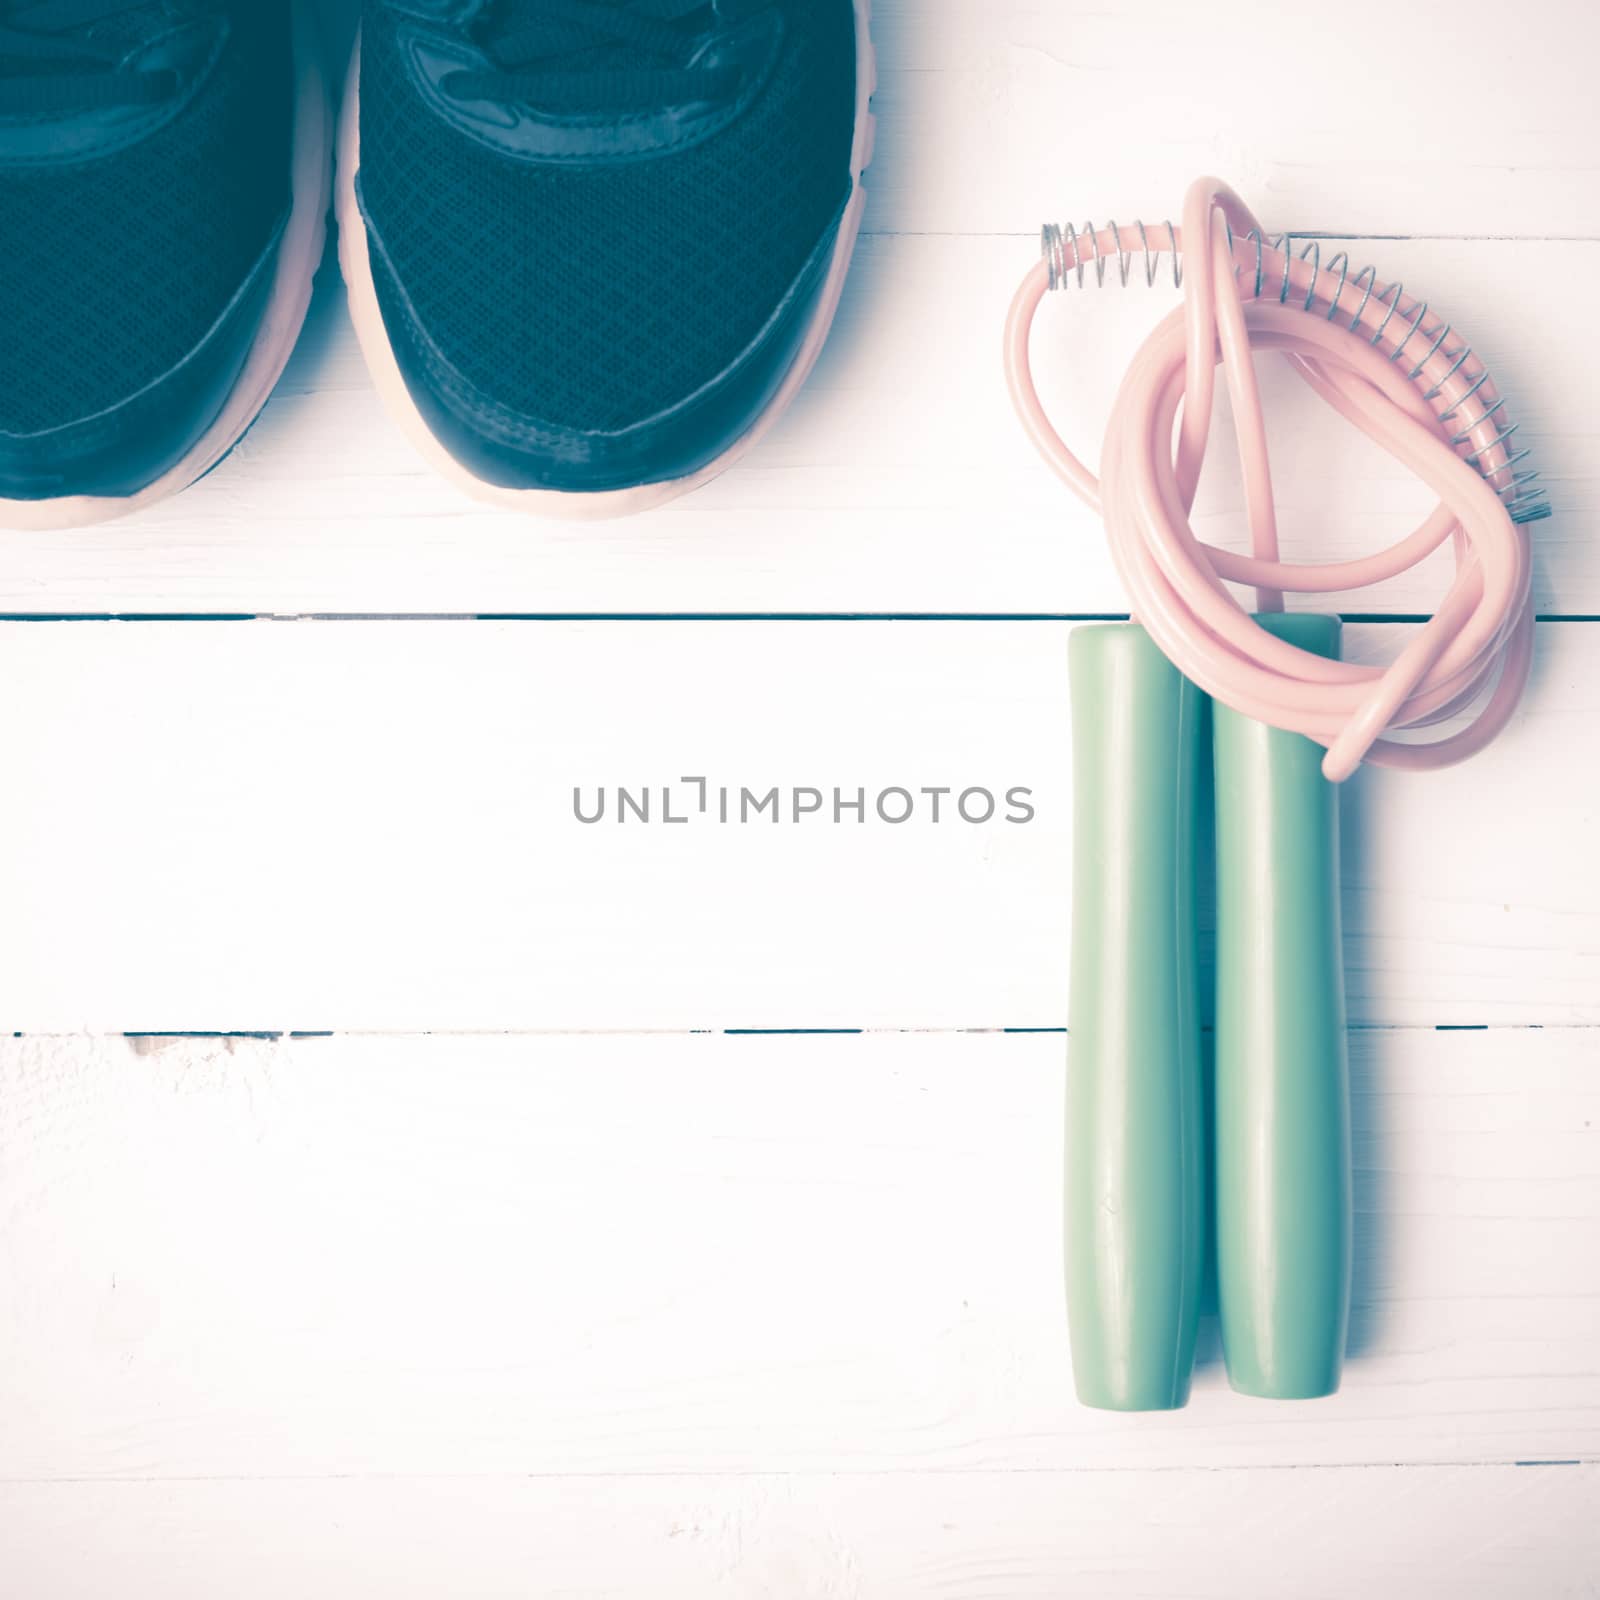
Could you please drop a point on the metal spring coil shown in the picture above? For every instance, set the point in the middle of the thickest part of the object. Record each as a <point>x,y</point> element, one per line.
<point>1071,253</point>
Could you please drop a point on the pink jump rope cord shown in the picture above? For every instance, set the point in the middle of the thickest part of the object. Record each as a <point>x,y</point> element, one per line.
<point>1375,356</point>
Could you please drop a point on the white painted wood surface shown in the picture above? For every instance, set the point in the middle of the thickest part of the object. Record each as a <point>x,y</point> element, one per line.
<point>322,825</point>
<point>1472,1533</point>
<point>782,1310</point>
<point>469,1256</point>
<point>655,1311</point>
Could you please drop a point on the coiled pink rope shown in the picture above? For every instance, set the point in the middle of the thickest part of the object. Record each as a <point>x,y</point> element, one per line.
<point>1377,359</point>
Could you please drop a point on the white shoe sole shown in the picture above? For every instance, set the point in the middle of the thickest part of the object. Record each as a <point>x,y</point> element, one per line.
<point>299,255</point>
<point>356,263</point>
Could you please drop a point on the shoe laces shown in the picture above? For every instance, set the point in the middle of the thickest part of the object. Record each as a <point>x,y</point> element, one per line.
<point>599,56</point>
<point>53,64</point>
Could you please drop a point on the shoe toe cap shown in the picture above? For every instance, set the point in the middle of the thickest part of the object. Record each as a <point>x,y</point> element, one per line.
<point>508,449</point>
<point>129,442</point>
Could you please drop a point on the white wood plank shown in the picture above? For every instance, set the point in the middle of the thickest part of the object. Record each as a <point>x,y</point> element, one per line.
<point>624,1255</point>
<point>900,482</point>
<point>999,115</point>
<point>1425,1533</point>
<point>370,826</point>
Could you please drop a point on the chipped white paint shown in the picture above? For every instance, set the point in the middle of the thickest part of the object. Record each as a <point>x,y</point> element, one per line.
<point>707,1254</point>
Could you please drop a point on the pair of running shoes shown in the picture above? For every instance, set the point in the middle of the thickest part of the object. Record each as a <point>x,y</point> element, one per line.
<point>592,247</point>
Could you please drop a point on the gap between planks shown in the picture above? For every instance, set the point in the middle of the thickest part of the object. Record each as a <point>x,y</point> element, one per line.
<point>771,1475</point>
<point>155,1036</point>
<point>1409,618</point>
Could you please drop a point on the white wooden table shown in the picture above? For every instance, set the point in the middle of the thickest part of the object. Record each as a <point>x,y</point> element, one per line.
<point>408,1190</point>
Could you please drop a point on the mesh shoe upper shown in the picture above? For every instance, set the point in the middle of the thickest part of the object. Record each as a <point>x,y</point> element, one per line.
<point>596,294</point>
<point>115,267</point>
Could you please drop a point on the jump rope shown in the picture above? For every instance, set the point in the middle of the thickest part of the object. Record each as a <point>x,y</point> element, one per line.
<point>1288,720</point>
